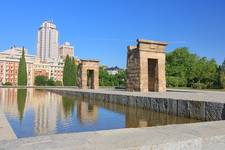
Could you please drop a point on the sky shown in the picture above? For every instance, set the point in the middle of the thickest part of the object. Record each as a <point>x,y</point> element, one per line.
<point>102,29</point>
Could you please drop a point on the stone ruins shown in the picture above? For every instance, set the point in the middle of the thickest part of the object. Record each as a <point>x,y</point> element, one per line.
<point>146,66</point>
<point>89,74</point>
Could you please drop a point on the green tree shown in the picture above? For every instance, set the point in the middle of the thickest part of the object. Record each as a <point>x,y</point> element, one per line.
<point>67,81</point>
<point>221,76</point>
<point>22,70</point>
<point>73,72</point>
<point>184,69</point>
<point>179,65</point>
<point>40,80</point>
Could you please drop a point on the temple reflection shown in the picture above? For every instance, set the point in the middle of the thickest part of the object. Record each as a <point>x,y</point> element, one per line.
<point>86,112</point>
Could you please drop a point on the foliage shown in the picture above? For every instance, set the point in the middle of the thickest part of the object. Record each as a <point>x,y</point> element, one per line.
<point>7,84</point>
<point>69,72</point>
<point>41,80</point>
<point>22,70</point>
<point>106,79</point>
<point>50,82</point>
<point>184,69</point>
<point>58,83</point>
<point>221,76</point>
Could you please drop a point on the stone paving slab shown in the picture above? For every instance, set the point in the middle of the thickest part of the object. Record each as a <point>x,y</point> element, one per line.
<point>196,136</point>
<point>193,95</point>
<point>6,132</point>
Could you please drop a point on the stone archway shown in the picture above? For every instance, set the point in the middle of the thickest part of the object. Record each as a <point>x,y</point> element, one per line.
<point>146,66</point>
<point>89,74</point>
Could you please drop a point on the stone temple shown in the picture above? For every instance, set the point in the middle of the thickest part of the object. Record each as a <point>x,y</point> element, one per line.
<point>146,66</point>
<point>88,74</point>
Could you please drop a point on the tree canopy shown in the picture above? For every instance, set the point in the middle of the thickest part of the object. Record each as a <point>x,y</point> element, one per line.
<point>69,72</point>
<point>184,69</point>
<point>22,70</point>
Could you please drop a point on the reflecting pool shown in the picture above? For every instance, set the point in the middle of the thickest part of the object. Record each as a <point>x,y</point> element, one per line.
<point>33,112</point>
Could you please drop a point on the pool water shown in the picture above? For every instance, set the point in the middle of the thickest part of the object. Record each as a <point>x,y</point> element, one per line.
<point>32,112</point>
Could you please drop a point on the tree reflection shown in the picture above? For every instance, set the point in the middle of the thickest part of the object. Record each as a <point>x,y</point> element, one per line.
<point>68,105</point>
<point>21,100</point>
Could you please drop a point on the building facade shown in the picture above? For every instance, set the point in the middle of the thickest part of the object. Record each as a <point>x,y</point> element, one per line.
<point>9,63</point>
<point>47,62</point>
<point>66,49</point>
<point>47,41</point>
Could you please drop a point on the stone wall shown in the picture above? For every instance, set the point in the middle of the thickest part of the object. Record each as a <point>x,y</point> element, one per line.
<point>133,69</point>
<point>206,111</point>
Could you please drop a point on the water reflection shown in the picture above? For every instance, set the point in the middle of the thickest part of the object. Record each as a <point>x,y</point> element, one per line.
<point>68,105</point>
<point>38,112</point>
<point>21,100</point>
<point>86,112</point>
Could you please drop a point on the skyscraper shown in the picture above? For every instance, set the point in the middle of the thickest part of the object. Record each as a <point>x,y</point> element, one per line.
<point>66,49</point>
<point>47,41</point>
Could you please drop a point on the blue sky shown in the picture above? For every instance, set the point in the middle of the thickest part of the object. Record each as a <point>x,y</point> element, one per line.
<point>102,29</point>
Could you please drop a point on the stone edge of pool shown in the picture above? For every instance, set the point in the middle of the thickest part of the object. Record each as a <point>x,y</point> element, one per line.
<point>175,103</point>
<point>195,136</point>
<point>6,132</point>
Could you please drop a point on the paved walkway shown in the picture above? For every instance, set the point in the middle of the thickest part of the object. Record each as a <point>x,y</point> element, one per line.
<point>195,95</point>
<point>6,132</point>
<point>196,136</point>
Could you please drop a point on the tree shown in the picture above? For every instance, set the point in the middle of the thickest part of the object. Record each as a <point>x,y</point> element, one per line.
<point>73,72</point>
<point>221,76</point>
<point>69,72</point>
<point>66,72</point>
<point>184,69</point>
<point>22,70</point>
<point>179,65</point>
<point>40,80</point>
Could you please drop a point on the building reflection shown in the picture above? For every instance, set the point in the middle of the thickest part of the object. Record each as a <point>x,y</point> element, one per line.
<point>49,111</point>
<point>44,106</point>
<point>87,112</point>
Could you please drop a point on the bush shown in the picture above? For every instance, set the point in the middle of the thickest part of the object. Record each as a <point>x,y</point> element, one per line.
<point>58,83</point>
<point>199,86</point>
<point>175,81</point>
<point>40,80</point>
<point>50,82</point>
<point>8,84</point>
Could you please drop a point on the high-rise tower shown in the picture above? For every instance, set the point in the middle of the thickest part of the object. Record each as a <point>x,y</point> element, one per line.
<point>47,41</point>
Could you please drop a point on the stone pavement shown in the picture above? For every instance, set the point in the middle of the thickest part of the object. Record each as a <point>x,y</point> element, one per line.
<point>196,136</point>
<point>6,132</point>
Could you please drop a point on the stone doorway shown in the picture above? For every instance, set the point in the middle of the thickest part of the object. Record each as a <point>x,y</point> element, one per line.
<point>90,79</point>
<point>152,74</point>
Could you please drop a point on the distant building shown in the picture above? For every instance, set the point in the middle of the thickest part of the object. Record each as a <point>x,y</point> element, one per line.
<point>66,49</point>
<point>113,70</point>
<point>9,63</point>
<point>47,41</point>
<point>47,62</point>
<point>52,70</point>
